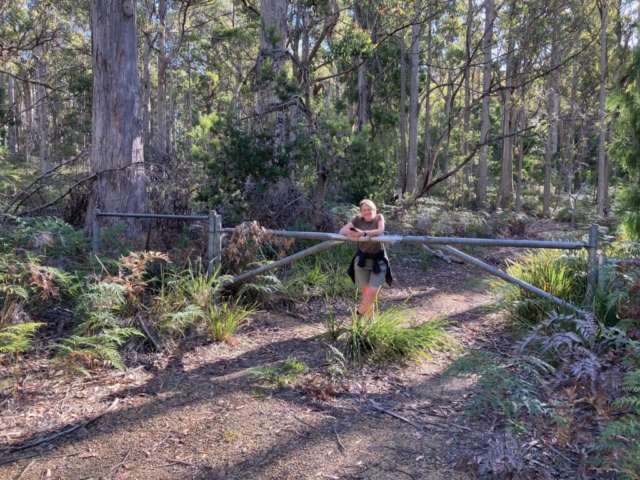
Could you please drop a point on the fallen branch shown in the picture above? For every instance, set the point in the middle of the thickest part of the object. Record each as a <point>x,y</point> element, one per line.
<point>441,255</point>
<point>146,331</point>
<point>174,461</point>
<point>117,467</point>
<point>64,432</point>
<point>379,407</point>
<point>150,451</point>
<point>342,447</point>
<point>26,468</point>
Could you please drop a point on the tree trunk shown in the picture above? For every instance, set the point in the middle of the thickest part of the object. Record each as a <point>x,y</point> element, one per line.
<point>414,106</point>
<point>117,148</point>
<point>273,55</point>
<point>553,105</point>
<point>402,169</point>
<point>42,120</point>
<point>467,102</point>
<point>426,162</point>
<point>483,163</point>
<point>27,128</point>
<point>161,92</point>
<point>12,133</point>
<point>505,189</point>
<point>602,174</point>
<point>520,125</point>
<point>146,89</point>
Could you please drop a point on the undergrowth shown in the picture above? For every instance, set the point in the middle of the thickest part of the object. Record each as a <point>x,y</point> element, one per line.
<point>505,388</point>
<point>96,340</point>
<point>279,376</point>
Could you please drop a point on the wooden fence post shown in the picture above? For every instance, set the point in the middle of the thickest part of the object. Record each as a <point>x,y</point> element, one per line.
<point>602,271</point>
<point>592,263</point>
<point>214,246</point>
<point>95,238</point>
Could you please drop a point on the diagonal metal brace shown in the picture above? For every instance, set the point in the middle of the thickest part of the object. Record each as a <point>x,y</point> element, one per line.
<point>284,261</point>
<point>508,278</point>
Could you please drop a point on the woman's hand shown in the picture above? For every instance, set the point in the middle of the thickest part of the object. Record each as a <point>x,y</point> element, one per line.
<point>350,231</point>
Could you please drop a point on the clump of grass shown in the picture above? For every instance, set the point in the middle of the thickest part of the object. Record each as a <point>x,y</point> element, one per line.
<point>333,325</point>
<point>192,301</point>
<point>223,320</point>
<point>319,275</point>
<point>280,376</point>
<point>560,273</point>
<point>384,338</point>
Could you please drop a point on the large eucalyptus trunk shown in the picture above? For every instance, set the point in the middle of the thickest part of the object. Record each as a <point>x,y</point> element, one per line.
<point>467,101</point>
<point>505,189</point>
<point>602,174</point>
<point>483,157</point>
<point>117,147</point>
<point>41,112</point>
<point>12,131</point>
<point>553,107</point>
<point>146,89</point>
<point>427,164</point>
<point>161,140</point>
<point>520,124</point>
<point>273,56</point>
<point>402,168</point>
<point>414,105</point>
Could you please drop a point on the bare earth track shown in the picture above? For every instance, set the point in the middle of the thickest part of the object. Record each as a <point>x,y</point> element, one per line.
<point>203,416</point>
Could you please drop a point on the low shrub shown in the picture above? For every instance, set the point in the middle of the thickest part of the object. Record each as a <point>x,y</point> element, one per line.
<point>508,389</point>
<point>98,338</point>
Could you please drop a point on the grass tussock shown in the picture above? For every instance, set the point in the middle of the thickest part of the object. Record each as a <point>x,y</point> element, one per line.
<point>390,336</point>
<point>560,273</point>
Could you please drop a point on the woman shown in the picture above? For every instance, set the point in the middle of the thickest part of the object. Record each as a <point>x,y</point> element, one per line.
<point>369,268</point>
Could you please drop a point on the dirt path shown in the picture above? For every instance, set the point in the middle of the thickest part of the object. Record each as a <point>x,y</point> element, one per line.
<point>204,416</point>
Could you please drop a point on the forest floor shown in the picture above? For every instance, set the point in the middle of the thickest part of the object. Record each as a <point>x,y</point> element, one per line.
<point>203,415</point>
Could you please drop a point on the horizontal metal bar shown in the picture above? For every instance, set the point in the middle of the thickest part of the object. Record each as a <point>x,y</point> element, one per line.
<point>153,215</point>
<point>508,278</point>
<point>485,242</point>
<point>292,258</point>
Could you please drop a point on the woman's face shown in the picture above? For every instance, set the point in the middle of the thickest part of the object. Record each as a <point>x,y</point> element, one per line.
<point>367,212</point>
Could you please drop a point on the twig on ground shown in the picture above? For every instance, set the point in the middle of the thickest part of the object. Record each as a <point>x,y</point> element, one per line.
<point>305,422</point>
<point>174,461</point>
<point>379,407</point>
<point>146,331</point>
<point>112,473</point>
<point>152,449</point>
<point>402,471</point>
<point>558,452</point>
<point>25,469</point>
<point>65,398</point>
<point>342,447</point>
<point>63,432</point>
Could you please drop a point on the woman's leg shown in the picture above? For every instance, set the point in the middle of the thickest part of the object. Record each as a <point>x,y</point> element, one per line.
<point>367,304</point>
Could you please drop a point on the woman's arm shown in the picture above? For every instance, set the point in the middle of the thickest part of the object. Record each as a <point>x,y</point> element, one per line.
<point>378,231</point>
<point>347,232</point>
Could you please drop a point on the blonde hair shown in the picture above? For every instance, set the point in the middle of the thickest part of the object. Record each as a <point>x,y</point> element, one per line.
<point>370,204</point>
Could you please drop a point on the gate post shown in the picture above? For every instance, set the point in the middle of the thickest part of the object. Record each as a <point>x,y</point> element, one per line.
<point>602,271</point>
<point>214,246</point>
<point>592,263</point>
<point>95,232</point>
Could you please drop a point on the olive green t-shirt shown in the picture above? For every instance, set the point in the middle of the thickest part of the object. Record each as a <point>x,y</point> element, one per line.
<point>359,222</point>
